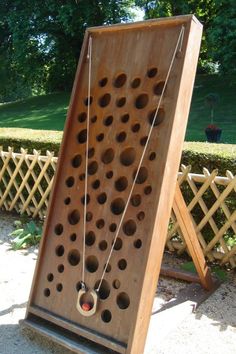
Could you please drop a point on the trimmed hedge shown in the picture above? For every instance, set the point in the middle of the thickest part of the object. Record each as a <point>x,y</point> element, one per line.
<point>196,154</point>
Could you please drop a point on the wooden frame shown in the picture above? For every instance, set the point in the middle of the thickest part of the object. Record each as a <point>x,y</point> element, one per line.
<point>129,71</point>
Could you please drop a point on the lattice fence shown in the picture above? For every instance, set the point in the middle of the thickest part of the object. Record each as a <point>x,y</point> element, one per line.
<point>26,181</point>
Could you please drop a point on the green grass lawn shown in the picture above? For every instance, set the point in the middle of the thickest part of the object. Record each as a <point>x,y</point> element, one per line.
<point>49,112</point>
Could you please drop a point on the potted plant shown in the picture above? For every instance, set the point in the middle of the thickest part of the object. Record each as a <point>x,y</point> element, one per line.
<point>213,133</point>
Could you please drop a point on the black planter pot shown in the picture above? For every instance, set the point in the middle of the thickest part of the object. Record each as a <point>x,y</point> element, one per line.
<point>213,135</point>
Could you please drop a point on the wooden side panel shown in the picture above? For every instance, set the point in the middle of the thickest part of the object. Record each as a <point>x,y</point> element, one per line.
<point>129,68</point>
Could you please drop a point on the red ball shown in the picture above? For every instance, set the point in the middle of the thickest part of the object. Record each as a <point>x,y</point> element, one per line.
<point>86,306</point>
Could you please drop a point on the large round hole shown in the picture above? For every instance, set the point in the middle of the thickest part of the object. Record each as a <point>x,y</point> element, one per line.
<point>82,136</point>
<point>90,238</point>
<point>129,227</point>
<point>108,121</point>
<point>120,102</point>
<point>121,184</point>
<point>141,101</point>
<point>136,82</point>
<point>116,284</point>
<point>102,198</point>
<point>104,290</point>
<point>118,244</point>
<point>123,301</point>
<point>103,82</point>
<point>102,245</point>
<point>58,229</point>
<point>100,223</point>
<point>96,184</point>
<point>105,100</point>
<point>70,181</point>
<point>117,206</point>
<point>159,117</point>
<point>82,117</point>
<point>127,156</point>
<point>92,167</point>
<point>108,156</point>
<point>88,101</point>
<point>100,137</point>
<point>113,227</point>
<point>152,72</point>
<point>60,268</point>
<point>91,264</point>
<point>142,175</point>
<point>120,137</point>
<point>76,161</point>
<point>74,217</point>
<point>122,264</point>
<point>106,316</point>
<point>50,277</point>
<point>87,199</point>
<point>125,118</point>
<point>158,88</point>
<point>60,250</point>
<point>120,80</point>
<point>136,200</point>
<point>73,257</point>
<point>138,243</point>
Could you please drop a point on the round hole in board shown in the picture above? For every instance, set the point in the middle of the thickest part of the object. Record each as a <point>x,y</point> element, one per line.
<point>118,244</point>
<point>120,80</point>
<point>103,82</point>
<point>60,250</point>
<point>129,227</point>
<point>100,137</point>
<point>93,119</point>
<point>58,229</point>
<point>141,215</point>
<point>121,184</point>
<point>136,200</point>
<point>50,277</point>
<point>47,292</point>
<point>74,217</point>
<point>109,174</point>
<point>138,243</point>
<point>102,198</point>
<point>82,177</point>
<point>123,301</point>
<point>136,82</point>
<point>88,101</point>
<point>60,268</point>
<point>73,237</point>
<point>108,268</point>
<point>143,140</point>
<point>135,128</point>
<point>125,118</point>
<point>152,72</point>
<point>113,227</point>
<point>120,102</point>
<point>152,156</point>
<point>108,156</point>
<point>90,238</point>
<point>141,101</point>
<point>116,284</point>
<point>159,117</point>
<point>59,287</point>
<point>91,264</point>
<point>117,206</point>
<point>158,88</point>
<point>104,290</point>
<point>82,117</point>
<point>89,216</point>
<point>148,190</point>
<point>122,264</point>
<point>106,316</point>
<point>70,181</point>
<point>87,199</point>
<point>73,257</point>
<point>82,136</point>
<point>92,167</point>
<point>105,100</point>
<point>67,201</point>
<point>127,156</point>
<point>102,245</point>
<point>76,161</point>
<point>96,184</point>
<point>120,137</point>
<point>142,175</point>
<point>100,223</point>
<point>91,152</point>
<point>108,121</point>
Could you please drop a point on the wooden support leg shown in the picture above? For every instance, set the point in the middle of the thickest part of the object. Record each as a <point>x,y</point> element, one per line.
<point>185,222</point>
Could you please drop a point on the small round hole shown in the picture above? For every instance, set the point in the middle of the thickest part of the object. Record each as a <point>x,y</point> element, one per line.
<point>100,223</point>
<point>123,301</point>
<point>141,101</point>
<point>152,72</point>
<point>90,238</point>
<point>76,161</point>
<point>118,244</point>
<point>108,156</point>
<point>47,292</point>
<point>125,118</point>
<point>152,156</point>
<point>82,117</point>
<point>106,316</point>
<point>108,268</point>
<point>135,128</point>
<point>58,229</point>
<point>109,174</point>
<point>100,137</point>
<point>116,284</point>
<point>135,83</point>
<point>117,206</point>
<point>108,121</point>
<point>73,237</point>
<point>102,245</point>
<point>120,102</point>
<point>102,198</point>
<point>159,117</point>
<point>121,137</point>
<point>67,201</point>
<point>121,184</point>
<point>143,140</point>
<point>112,227</point>
<point>129,227</point>
<point>70,181</point>
<point>60,268</point>
<point>89,216</point>
<point>91,152</point>
<point>105,100</point>
<point>141,215</point>
<point>60,251</point>
<point>91,264</point>
<point>82,136</point>
<point>122,264</point>
<point>59,287</point>
<point>127,156</point>
<point>82,177</point>
<point>50,277</point>
<point>92,167</point>
<point>74,217</point>
<point>87,199</point>
<point>142,175</point>
<point>138,243</point>
<point>136,200</point>
<point>94,119</point>
<point>120,80</point>
<point>73,257</point>
<point>158,88</point>
<point>96,184</point>
<point>88,101</point>
<point>148,190</point>
<point>103,82</point>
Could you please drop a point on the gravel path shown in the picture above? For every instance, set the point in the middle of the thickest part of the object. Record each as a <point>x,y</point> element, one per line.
<point>212,329</point>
